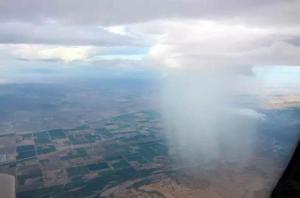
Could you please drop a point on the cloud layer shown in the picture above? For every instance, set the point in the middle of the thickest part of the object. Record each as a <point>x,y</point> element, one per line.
<point>177,32</point>
<point>106,12</point>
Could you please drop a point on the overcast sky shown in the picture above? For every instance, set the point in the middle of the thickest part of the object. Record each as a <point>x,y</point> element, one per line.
<point>159,33</point>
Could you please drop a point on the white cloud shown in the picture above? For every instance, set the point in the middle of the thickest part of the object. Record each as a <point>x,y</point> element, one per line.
<point>251,113</point>
<point>43,52</point>
<point>208,43</point>
<point>117,30</point>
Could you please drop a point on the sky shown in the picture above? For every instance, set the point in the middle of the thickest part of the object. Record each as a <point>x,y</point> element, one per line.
<point>158,33</point>
<point>203,47</point>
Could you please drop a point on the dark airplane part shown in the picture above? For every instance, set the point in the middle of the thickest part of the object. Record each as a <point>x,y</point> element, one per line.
<point>289,183</point>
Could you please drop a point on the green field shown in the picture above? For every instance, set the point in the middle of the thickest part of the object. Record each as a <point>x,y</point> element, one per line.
<point>57,134</point>
<point>77,170</point>
<point>45,149</point>
<point>41,138</point>
<point>98,166</point>
<point>25,151</point>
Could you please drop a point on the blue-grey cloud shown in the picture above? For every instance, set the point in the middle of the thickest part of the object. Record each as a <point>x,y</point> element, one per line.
<point>27,33</point>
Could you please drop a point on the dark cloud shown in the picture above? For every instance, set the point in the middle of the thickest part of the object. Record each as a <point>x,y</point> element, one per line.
<point>294,40</point>
<point>107,12</point>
